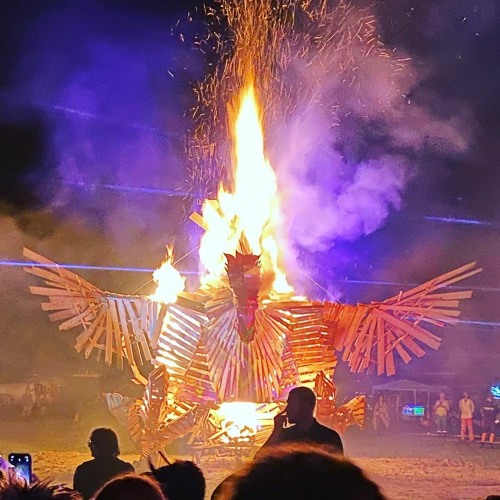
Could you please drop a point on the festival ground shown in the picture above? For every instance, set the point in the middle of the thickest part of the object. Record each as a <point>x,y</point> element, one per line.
<point>417,466</point>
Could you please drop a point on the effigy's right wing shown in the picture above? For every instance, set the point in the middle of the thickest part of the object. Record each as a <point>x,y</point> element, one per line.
<point>119,326</point>
<point>368,335</point>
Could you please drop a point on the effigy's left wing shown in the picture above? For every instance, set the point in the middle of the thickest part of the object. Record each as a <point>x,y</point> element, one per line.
<point>119,326</point>
<point>368,335</point>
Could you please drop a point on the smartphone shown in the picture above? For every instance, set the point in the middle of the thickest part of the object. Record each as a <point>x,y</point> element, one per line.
<point>287,423</point>
<point>22,465</point>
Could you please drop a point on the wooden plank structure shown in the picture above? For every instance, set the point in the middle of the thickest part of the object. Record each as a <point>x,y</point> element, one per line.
<point>116,325</point>
<point>369,335</point>
<point>202,359</point>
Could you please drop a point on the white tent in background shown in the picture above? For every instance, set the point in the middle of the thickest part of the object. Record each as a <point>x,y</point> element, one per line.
<point>401,387</point>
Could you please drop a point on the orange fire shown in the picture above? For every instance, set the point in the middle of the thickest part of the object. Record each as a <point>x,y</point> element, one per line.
<point>169,280</point>
<point>246,218</point>
<point>243,420</point>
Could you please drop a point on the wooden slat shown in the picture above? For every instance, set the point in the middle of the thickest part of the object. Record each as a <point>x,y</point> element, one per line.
<point>116,330</point>
<point>137,330</point>
<point>29,254</point>
<point>396,344</point>
<point>389,361</point>
<point>122,316</point>
<point>78,319</point>
<point>369,344</point>
<point>158,324</point>
<point>416,332</point>
<point>108,355</point>
<point>443,280</point>
<point>84,337</point>
<point>380,347</point>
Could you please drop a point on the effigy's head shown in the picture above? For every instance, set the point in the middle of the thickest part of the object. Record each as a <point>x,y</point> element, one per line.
<point>243,272</point>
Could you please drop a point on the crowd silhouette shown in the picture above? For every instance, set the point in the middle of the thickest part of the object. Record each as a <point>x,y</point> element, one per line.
<point>302,462</point>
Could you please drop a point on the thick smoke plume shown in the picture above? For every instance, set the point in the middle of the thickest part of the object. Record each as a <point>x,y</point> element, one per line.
<point>347,126</point>
<point>349,152</point>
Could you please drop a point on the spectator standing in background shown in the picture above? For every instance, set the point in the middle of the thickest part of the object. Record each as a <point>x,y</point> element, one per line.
<point>466,406</point>
<point>441,409</point>
<point>380,415</point>
<point>489,413</point>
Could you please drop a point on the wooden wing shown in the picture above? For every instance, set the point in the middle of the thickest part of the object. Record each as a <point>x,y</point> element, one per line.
<point>369,335</point>
<point>308,342</point>
<point>117,325</point>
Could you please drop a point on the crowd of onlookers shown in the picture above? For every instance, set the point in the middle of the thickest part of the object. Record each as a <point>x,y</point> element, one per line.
<point>292,471</point>
<point>440,413</point>
<point>300,461</point>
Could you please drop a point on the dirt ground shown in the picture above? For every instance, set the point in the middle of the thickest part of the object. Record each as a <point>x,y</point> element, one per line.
<point>416,466</point>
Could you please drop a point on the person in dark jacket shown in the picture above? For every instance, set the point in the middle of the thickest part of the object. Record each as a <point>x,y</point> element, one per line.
<point>91,475</point>
<point>305,428</point>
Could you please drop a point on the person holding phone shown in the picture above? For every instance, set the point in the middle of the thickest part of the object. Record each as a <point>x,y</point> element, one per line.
<point>91,475</point>
<point>21,462</point>
<point>300,412</point>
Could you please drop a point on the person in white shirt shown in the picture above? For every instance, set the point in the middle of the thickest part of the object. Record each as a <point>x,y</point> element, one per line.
<point>466,406</point>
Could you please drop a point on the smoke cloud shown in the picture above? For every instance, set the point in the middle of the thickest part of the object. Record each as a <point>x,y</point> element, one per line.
<point>342,180</point>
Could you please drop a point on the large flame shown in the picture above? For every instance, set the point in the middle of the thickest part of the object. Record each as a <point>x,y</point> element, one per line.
<point>169,280</point>
<point>245,219</point>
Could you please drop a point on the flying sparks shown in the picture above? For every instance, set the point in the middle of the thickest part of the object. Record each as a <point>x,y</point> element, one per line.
<point>298,51</point>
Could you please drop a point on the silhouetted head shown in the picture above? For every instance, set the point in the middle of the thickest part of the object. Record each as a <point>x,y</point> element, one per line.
<point>300,472</point>
<point>442,395</point>
<point>301,404</point>
<point>103,442</point>
<point>466,396</point>
<point>381,398</point>
<point>130,487</point>
<point>13,489</point>
<point>181,480</point>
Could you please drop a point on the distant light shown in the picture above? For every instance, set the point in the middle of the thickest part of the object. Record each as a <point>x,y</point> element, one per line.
<point>134,189</point>
<point>14,263</point>
<point>495,390</point>
<point>455,220</point>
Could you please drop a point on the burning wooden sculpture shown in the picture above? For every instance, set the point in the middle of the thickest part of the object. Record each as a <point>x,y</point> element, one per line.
<point>213,346</point>
<point>243,338</point>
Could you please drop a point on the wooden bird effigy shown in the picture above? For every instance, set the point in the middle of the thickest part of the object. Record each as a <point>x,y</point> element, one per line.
<point>228,344</point>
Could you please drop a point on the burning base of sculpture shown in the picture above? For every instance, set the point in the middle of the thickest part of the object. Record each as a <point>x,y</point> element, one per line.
<point>220,346</point>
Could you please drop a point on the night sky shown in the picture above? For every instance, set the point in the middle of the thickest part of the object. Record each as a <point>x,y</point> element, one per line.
<point>94,100</point>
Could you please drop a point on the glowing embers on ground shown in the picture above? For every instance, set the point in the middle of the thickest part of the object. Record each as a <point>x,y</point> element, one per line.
<point>168,279</point>
<point>245,219</point>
